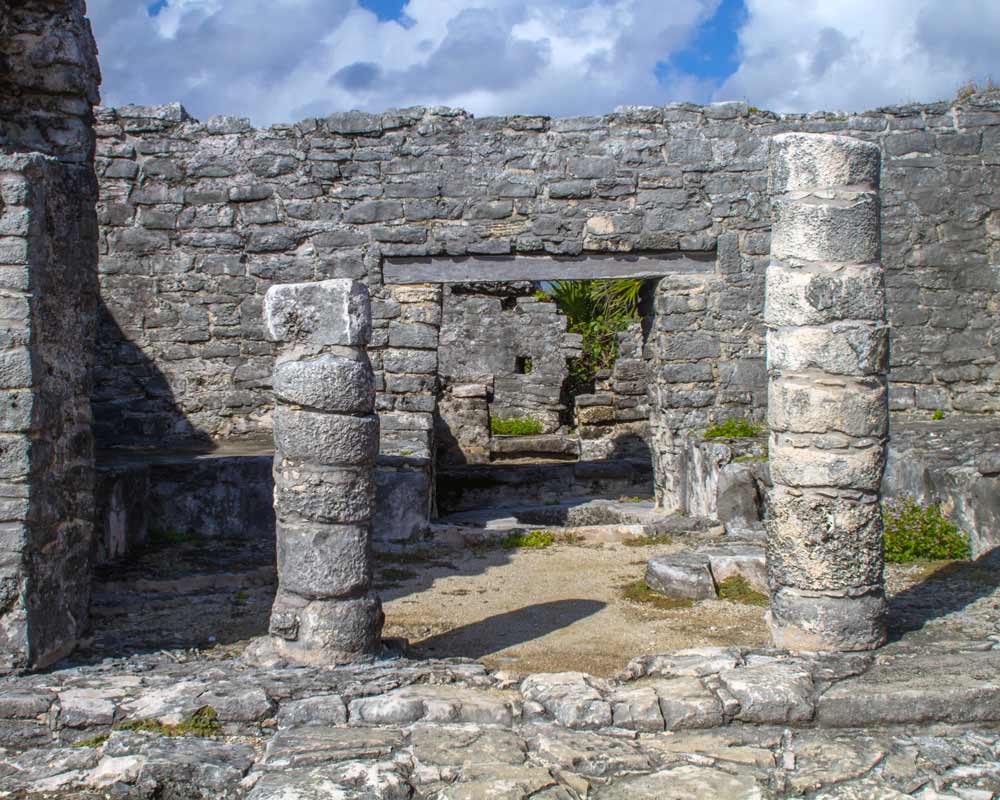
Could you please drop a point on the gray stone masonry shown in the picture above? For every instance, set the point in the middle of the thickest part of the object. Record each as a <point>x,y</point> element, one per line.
<point>48,310</point>
<point>827,409</point>
<point>326,441</point>
<point>199,218</point>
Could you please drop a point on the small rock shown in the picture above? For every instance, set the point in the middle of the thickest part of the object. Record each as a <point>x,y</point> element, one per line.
<point>681,575</point>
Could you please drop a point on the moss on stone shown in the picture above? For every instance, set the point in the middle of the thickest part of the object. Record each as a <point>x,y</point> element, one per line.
<point>204,722</point>
<point>736,589</point>
<point>639,592</point>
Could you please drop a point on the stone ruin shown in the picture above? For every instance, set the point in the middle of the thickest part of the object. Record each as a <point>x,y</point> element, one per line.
<point>198,286</point>
<point>303,334</point>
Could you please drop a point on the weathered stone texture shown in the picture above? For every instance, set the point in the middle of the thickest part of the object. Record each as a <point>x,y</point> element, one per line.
<point>828,432</point>
<point>198,219</point>
<point>325,611</point>
<point>48,278</point>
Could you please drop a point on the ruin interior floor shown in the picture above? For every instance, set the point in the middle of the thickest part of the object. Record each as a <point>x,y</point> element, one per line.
<point>520,610</point>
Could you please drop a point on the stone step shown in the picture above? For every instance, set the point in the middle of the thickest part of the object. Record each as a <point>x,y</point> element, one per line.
<point>555,445</point>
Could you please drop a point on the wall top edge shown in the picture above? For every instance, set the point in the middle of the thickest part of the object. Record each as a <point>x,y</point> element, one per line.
<point>368,123</point>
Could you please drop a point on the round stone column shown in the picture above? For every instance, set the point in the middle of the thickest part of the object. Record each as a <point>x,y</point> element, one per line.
<point>827,352</point>
<point>326,439</point>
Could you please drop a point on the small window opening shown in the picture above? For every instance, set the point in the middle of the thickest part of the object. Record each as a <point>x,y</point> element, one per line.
<point>523,365</point>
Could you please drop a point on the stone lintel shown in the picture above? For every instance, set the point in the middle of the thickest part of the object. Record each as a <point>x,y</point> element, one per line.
<point>473,269</point>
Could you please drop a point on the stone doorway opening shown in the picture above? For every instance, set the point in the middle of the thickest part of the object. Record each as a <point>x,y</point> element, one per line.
<point>544,512</point>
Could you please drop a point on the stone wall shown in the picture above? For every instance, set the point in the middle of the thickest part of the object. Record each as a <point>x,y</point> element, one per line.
<point>48,300</point>
<point>198,219</point>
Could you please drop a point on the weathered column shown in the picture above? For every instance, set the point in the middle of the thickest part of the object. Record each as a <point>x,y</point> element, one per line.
<point>827,348</point>
<point>326,441</point>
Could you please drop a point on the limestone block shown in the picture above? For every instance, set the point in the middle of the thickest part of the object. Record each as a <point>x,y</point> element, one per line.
<point>326,632</point>
<point>824,540</point>
<point>745,561</point>
<point>595,415</point>
<point>826,460</point>
<point>804,620</point>
<point>681,575</point>
<point>328,382</point>
<point>801,162</point>
<point>841,348</point>
<point>771,693</point>
<point>320,561</point>
<point>823,404</point>
<point>339,495</point>
<point>333,312</point>
<point>686,703</point>
<point>817,295</point>
<point>325,439</point>
<point>826,229</point>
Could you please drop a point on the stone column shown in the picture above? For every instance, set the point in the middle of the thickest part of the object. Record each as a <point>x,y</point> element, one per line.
<point>326,439</point>
<point>827,349</point>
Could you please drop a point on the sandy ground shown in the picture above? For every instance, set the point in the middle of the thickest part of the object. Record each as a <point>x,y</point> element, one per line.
<point>559,608</point>
<point>554,609</point>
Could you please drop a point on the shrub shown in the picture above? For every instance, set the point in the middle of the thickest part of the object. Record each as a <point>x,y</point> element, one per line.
<point>938,414</point>
<point>515,426</point>
<point>915,532</point>
<point>533,539</point>
<point>734,428</point>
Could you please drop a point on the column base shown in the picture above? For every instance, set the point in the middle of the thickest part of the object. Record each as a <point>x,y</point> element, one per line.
<point>326,632</point>
<point>815,621</point>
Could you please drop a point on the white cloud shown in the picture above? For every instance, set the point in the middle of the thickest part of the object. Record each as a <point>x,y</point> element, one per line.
<point>806,55</point>
<point>280,60</point>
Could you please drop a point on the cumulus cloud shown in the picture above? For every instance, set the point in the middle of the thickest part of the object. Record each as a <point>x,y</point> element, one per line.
<point>279,60</point>
<point>282,60</point>
<point>806,55</point>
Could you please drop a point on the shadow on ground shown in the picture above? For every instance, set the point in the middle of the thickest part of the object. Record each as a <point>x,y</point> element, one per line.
<point>512,628</point>
<point>946,589</point>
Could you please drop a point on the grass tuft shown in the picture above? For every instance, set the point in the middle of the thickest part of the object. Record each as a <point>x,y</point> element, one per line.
<point>204,722</point>
<point>648,541</point>
<point>93,741</point>
<point>536,539</point>
<point>515,426</point>
<point>734,428</point>
<point>735,589</point>
<point>915,532</point>
<point>639,592</point>
<point>938,414</point>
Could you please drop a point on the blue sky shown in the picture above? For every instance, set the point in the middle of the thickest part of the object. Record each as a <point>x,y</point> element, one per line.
<point>282,60</point>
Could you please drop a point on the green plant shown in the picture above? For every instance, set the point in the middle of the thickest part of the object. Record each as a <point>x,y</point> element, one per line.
<point>735,589</point>
<point>915,532</point>
<point>598,311</point>
<point>204,722</point>
<point>734,428</point>
<point>515,426</point>
<point>93,741</point>
<point>639,592</point>
<point>938,414</point>
<point>536,539</point>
